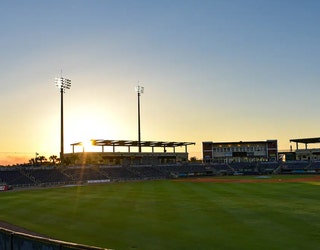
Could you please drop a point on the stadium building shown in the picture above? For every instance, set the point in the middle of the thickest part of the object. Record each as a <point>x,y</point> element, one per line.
<point>306,153</point>
<point>110,153</point>
<point>242,151</point>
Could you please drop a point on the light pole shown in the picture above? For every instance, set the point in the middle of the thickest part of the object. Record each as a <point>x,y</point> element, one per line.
<point>62,84</point>
<point>139,90</point>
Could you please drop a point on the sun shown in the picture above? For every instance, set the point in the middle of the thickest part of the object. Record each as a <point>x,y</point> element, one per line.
<point>87,145</point>
<point>84,130</point>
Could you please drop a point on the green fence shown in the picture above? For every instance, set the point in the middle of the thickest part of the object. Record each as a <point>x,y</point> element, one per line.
<point>10,240</point>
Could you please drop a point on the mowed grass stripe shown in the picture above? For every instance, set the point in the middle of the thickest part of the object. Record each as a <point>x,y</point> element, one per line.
<point>173,215</point>
<point>231,215</point>
<point>270,213</point>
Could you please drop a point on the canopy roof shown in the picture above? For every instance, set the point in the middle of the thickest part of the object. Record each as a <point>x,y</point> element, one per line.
<point>306,140</point>
<point>130,143</point>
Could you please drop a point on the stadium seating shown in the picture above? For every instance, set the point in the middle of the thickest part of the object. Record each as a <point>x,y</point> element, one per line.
<point>26,175</point>
<point>148,172</point>
<point>295,165</point>
<point>314,165</point>
<point>15,177</point>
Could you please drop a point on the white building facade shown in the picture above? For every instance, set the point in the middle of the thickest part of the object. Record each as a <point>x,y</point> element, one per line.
<point>242,151</point>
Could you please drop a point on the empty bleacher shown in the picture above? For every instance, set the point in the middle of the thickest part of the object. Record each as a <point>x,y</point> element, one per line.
<point>268,167</point>
<point>295,165</point>
<point>184,170</point>
<point>15,177</point>
<point>119,173</point>
<point>245,167</point>
<point>82,174</point>
<point>50,176</point>
<point>24,176</point>
<point>314,165</point>
<point>148,172</point>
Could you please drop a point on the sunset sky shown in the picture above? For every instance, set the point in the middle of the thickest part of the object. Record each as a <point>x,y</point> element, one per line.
<point>216,70</point>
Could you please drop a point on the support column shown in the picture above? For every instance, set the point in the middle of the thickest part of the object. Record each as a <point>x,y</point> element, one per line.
<point>61,127</point>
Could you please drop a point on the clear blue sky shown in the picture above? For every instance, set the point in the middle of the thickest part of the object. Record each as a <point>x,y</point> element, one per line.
<point>212,71</point>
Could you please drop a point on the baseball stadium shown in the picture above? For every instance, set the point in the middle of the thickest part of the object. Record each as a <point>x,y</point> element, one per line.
<point>243,195</point>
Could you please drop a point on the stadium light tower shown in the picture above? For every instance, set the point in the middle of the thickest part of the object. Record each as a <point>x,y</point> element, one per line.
<point>62,84</point>
<point>139,89</point>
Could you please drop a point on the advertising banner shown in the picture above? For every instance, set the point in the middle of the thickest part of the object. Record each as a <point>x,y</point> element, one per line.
<point>3,187</point>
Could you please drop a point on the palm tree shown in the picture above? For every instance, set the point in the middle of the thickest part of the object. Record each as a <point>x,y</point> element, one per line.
<point>41,158</point>
<point>32,161</point>
<point>53,158</point>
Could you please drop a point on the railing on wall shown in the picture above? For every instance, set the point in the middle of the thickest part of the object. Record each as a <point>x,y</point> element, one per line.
<point>10,240</point>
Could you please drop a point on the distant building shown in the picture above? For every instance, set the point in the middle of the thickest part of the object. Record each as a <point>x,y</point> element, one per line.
<point>306,154</point>
<point>117,157</point>
<point>242,151</point>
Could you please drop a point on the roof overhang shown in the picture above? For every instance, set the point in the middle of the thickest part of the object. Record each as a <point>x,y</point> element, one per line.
<point>306,140</point>
<point>130,143</point>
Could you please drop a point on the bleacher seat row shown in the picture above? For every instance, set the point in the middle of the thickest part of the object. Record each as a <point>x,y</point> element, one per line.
<point>27,175</point>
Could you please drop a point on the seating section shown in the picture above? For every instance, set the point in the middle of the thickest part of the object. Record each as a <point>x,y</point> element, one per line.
<point>48,175</point>
<point>119,173</point>
<point>185,170</point>
<point>27,175</point>
<point>15,177</point>
<point>222,167</point>
<point>268,167</point>
<point>295,165</point>
<point>83,174</point>
<point>247,168</point>
<point>314,165</point>
<point>148,172</point>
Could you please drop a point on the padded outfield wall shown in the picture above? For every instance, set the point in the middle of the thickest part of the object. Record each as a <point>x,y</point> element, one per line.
<point>10,240</point>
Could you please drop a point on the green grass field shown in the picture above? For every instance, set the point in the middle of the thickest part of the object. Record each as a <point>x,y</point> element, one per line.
<point>172,215</point>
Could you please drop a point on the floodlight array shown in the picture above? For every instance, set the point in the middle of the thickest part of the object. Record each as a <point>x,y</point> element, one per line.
<point>63,83</point>
<point>139,89</point>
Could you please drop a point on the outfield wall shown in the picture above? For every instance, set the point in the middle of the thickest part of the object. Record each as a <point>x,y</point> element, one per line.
<point>10,240</point>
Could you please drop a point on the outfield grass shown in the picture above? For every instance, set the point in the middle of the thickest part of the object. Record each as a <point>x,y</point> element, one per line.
<point>172,215</point>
